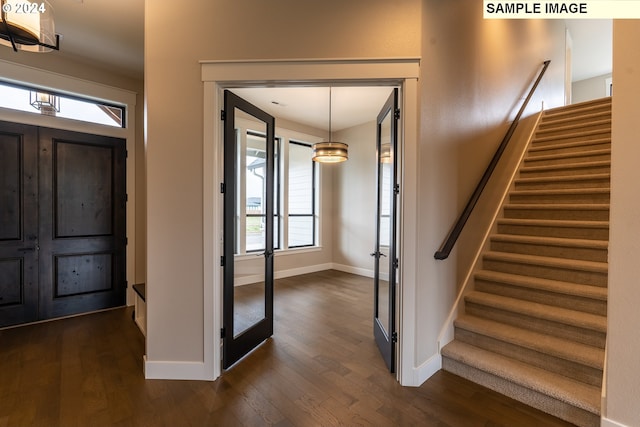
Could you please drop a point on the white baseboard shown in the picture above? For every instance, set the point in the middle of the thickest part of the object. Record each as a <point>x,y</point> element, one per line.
<point>176,371</point>
<point>353,270</point>
<point>302,270</point>
<point>426,370</point>
<point>605,422</point>
<point>281,274</point>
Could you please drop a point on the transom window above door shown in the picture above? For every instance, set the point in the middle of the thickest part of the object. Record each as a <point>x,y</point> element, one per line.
<point>50,103</point>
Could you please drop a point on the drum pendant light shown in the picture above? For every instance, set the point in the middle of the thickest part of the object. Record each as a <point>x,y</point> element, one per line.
<point>330,151</point>
<point>28,26</point>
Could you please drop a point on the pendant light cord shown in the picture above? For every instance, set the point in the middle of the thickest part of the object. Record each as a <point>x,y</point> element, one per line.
<point>329,113</point>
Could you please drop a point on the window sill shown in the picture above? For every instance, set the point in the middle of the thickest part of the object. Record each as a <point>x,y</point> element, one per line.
<point>280,252</point>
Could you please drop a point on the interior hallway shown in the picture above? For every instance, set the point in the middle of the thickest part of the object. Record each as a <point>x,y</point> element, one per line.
<point>321,368</point>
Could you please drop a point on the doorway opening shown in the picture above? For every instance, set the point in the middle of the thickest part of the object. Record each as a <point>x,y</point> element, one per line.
<point>396,73</point>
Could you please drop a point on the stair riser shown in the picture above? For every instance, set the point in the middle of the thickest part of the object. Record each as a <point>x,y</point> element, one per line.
<point>547,272</point>
<point>569,149</point>
<point>557,329</point>
<point>566,252</point>
<point>566,170</point>
<point>559,184</point>
<point>543,231</point>
<point>572,302</point>
<point>566,161</point>
<point>529,397</point>
<point>557,214</point>
<point>545,141</point>
<point>586,198</point>
<point>565,129</point>
<point>550,122</point>
<point>578,111</point>
<point>568,368</point>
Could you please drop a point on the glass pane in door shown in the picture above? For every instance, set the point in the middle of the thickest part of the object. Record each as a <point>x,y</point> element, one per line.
<point>249,284</point>
<point>385,265</point>
<point>384,221</point>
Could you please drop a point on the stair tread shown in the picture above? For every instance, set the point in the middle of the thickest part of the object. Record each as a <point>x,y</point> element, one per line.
<point>571,154</point>
<point>568,178</point>
<point>551,120</point>
<point>582,165</point>
<point>555,222</point>
<point>589,105</point>
<point>559,206</point>
<point>551,241</point>
<point>566,316</point>
<point>572,126</point>
<point>558,347</point>
<point>561,388</point>
<point>572,264</point>
<point>574,144</point>
<point>551,285</point>
<point>588,190</point>
<point>571,135</point>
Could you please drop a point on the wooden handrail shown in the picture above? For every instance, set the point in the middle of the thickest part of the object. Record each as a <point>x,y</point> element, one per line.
<point>447,246</point>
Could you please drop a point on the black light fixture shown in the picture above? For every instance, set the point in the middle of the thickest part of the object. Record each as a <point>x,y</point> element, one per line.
<point>46,103</point>
<point>28,26</point>
<point>330,151</point>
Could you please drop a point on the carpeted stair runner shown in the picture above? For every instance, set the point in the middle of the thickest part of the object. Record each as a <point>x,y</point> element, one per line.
<point>534,325</point>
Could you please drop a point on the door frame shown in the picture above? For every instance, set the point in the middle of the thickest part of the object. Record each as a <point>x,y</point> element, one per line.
<point>219,75</point>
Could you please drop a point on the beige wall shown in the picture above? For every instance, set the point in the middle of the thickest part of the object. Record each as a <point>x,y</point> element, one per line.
<point>623,375</point>
<point>474,73</point>
<point>354,195</point>
<point>226,30</point>
<point>588,89</point>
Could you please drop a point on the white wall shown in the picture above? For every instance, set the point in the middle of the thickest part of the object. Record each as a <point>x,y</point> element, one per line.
<point>588,89</point>
<point>623,347</point>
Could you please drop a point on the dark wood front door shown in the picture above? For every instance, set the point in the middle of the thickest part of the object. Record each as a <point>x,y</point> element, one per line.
<point>18,224</point>
<point>65,252</point>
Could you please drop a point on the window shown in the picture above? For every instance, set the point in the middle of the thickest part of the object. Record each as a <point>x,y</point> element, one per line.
<point>295,209</point>
<point>255,191</point>
<point>301,196</point>
<point>39,101</point>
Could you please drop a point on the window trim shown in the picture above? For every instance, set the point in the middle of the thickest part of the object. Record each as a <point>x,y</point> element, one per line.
<point>314,194</point>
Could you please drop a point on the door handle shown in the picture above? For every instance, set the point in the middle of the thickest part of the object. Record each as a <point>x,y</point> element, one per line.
<point>26,249</point>
<point>377,254</point>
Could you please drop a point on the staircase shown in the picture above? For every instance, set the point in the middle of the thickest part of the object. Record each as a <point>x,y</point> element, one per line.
<point>534,327</point>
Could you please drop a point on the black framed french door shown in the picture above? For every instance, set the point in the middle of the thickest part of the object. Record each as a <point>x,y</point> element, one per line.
<point>385,253</point>
<point>247,299</point>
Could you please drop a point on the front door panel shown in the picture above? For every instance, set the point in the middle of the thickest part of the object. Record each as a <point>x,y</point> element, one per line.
<point>248,228</point>
<point>82,222</point>
<point>18,224</point>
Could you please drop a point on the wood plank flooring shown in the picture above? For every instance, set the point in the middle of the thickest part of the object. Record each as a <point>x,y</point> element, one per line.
<point>321,368</point>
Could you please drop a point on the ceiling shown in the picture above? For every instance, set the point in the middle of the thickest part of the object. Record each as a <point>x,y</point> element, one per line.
<point>117,27</point>
<point>350,106</point>
<point>103,32</point>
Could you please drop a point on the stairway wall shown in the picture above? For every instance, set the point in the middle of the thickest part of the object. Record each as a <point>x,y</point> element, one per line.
<point>474,238</point>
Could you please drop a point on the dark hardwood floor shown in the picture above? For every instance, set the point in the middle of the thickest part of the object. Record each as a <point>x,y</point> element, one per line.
<point>321,368</point>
